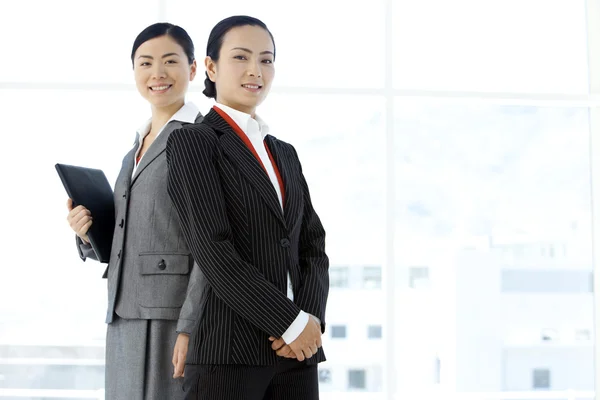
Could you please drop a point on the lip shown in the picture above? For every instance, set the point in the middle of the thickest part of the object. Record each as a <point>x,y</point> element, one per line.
<point>252,87</point>
<point>163,88</point>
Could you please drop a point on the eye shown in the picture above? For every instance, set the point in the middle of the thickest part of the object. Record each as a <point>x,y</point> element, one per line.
<point>171,61</point>
<point>239,57</point>
<point>144,64</point>
<point>268,61</point>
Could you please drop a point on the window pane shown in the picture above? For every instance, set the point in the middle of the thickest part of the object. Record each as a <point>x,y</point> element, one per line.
<point>341,163</point>
<point>338,332</point>
<point>375,332</point>
<point>480,190</point>
<point>75,377</point>
<point>329,52</point>
<point>71,40</point>
<point>70,296</point>
<point>324,376</point>
<point>495,45</point>
<point>372,278</point>
<point>357,379</point>
<point>556,281</point>
<point>338,277</point>
<point>541,379</point>
<point>418,277</point>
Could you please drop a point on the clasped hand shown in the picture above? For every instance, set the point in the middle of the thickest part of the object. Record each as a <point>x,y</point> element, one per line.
<point>305,346</point>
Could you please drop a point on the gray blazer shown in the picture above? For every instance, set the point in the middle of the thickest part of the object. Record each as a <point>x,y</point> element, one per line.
<point>151,273</point>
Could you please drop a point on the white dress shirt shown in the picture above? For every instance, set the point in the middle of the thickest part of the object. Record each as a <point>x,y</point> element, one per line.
<point>256,130</point>
<point>187,113</point>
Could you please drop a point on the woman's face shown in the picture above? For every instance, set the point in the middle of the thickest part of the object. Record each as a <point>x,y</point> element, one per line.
<point>245,70</point>
<point>162,71</point>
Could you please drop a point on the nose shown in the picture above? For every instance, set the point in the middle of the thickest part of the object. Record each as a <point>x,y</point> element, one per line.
<point>254,70</point>
<point>159,71</point>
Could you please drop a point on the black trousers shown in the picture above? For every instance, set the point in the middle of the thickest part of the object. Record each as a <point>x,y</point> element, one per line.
<point>288,380</point>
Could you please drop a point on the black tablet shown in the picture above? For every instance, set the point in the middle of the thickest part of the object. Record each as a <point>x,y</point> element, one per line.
<point>90,188</point>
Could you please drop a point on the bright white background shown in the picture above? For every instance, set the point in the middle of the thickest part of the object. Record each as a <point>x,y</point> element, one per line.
<point>425,128</point>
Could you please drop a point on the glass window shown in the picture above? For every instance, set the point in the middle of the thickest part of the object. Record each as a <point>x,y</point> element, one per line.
<point>549,335</point>
<point>357,379</point>
<point>484,177</point>
<point>70,296</point>
<point>338,277</point>
<point>331,53</point>
<point>480,187</point>
<point>338,331</point>
<point>324,375</point>
<point>494,46</point>
<point>71,41</point>
<point>541,379</point>
<point>419,277</point>
<point>372,278</point>
<point>374,332</point>
<point>340,160</point>
<point>583,335</point>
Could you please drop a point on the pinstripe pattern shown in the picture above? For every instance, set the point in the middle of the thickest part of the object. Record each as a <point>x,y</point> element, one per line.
<point>244,243</point>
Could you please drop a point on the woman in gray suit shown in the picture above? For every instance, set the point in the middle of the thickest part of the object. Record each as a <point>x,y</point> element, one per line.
<point>155,290</point>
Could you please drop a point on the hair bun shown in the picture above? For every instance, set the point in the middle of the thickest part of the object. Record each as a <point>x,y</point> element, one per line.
<point>210,89</point>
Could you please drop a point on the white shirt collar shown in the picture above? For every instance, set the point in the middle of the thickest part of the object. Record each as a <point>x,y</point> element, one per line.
<point>187,113</point>
<point>246,122</point>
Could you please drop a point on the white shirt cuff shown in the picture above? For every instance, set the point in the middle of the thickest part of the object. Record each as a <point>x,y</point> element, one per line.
<point>316,319</point>
<point>296,328</point>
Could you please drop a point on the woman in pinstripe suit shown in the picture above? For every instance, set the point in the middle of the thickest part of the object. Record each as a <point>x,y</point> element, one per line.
<point>155,291</point>
<point>247,216</point>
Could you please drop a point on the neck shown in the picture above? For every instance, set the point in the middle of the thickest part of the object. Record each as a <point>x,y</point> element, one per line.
<point>238,107</point>
<point>160,115</point>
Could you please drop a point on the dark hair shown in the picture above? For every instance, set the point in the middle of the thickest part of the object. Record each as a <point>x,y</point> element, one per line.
<point>215,42</point>
<point>177,33</point>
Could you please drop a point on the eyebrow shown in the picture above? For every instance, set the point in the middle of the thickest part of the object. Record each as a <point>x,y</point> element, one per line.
<point>250,51</point>
<point>164,56</point>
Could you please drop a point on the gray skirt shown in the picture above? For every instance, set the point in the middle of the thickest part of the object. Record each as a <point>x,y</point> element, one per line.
<point>138,360</point>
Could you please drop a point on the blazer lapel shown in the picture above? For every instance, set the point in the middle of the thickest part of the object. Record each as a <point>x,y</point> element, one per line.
<point>293,192</point>
<point>127,167</point>
<point>247,164</point>
<point>158,146</point>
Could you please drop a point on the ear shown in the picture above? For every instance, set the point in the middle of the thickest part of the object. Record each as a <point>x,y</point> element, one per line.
<point>211,68</point>
<point>193,70</point>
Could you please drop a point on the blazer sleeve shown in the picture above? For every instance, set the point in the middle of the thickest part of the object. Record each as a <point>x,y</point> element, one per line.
<point>85,250</point>
<point>195,187</point>
<point>314,263</point>
<point>195,299</point>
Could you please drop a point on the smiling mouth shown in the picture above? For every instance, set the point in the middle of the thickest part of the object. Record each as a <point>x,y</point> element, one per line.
<point>252,87</point>
<point>160,88</point>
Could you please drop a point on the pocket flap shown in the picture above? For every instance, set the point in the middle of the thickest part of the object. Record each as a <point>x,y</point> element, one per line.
<point>164,264</point>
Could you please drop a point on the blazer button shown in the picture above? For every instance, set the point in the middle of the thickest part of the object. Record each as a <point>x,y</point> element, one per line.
<point>119,255</point>
<point>125,195</point>
<point>162,265</point>
<point>285,242</point>
<point>122,223</point>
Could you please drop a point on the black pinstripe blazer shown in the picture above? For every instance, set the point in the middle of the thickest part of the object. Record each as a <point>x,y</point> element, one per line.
<point>244,243</point>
